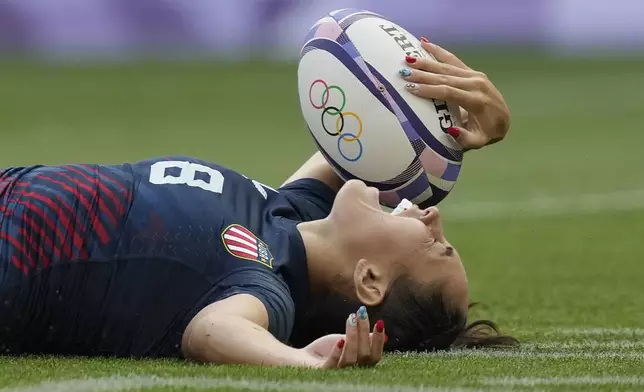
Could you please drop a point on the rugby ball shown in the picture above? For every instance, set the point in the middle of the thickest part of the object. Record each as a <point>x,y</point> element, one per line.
<point>364,121</point>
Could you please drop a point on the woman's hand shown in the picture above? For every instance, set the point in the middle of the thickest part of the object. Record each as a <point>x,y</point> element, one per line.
<point>487,117</point>
<point>358,347</point>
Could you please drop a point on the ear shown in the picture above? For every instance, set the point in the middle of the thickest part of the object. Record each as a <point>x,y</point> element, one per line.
<point>371,283</point>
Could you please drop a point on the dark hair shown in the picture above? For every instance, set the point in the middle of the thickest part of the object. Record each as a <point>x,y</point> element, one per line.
<point>419,318</point>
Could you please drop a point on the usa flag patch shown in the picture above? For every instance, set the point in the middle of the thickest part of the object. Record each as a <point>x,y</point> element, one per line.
<point>241,243</point>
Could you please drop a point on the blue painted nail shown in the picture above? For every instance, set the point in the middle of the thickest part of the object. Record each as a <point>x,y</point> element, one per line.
<point>404,72</point>
<point>362,313</point>
<point>353,320</point>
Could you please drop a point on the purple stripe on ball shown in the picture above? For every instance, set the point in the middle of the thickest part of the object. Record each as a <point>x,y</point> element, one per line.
<point>451,173</point>
<point>436,198</point>
<point>343,39</point>
<point>305,50</point>
<point>411,172</point>
<point>416,123</point>
<point>409,130</point>
<point>341,14</point>
<point>311,34</point>
<point>415,188</point>
<point>345,24</point>
<point>418,145</point>
<point>351,49</point>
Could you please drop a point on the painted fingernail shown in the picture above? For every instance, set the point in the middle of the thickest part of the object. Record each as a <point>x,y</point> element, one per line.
<point>362,313</point>
<point>386,338</point>
<point>353,320</point>
<point>404,72</point>
<point>412,86</point>
<point>454,132</point>
<point>341,344</point>
<point>424,39</point>
<point>410,59</point>
<point>380,326</point>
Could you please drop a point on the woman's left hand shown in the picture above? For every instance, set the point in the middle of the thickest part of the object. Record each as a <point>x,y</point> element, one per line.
<point>487,117</point>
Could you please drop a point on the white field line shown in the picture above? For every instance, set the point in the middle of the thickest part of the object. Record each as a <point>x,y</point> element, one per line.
<point>563,381</point>
<point>530,354</point>
<point>623,332</point>
<point>546,206</point>
<point>120,383</point>
<point>586,344</point>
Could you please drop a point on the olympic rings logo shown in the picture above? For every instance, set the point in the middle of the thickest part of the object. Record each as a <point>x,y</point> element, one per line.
<point>329,110</point>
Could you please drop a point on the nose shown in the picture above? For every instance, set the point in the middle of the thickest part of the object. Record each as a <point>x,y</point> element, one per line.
<point>434,222</point>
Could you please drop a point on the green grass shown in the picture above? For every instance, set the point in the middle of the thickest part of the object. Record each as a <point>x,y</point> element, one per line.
<point>577,130</point>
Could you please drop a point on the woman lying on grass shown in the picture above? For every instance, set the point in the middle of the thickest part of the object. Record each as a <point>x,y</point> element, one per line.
<point>178,257</point>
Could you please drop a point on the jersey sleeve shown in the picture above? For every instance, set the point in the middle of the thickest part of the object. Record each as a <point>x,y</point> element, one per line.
<point>271,290</point>
<point>311,198</point>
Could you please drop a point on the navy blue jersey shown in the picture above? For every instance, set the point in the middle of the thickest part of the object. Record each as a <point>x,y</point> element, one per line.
<point>116,260</point>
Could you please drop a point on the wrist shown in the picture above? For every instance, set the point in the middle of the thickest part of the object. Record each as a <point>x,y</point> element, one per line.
<point>302,358</point>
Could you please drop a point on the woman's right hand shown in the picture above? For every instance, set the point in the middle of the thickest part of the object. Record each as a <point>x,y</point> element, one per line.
<point>358,347</point>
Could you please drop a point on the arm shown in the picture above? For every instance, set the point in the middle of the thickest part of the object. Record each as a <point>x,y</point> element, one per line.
<point>234,331</point>
<point>318,168</point>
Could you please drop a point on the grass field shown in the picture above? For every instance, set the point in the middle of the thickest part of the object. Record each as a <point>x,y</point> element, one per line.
<point>550,222</point>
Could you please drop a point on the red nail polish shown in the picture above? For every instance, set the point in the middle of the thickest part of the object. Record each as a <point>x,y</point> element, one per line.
<point>341,344</point>
<point>386,338</point>
<point>380,326</point>
<point>410,59</point>
<point>424,39</point>
<point>454,132</point>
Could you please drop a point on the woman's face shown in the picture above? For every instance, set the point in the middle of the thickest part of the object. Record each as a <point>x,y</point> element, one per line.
<point>412,242</point>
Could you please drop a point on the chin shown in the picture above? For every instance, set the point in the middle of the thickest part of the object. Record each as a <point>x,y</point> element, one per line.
<point>353,197</point>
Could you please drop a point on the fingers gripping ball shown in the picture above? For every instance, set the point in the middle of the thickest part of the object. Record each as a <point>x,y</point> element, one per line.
<point>364,120</point>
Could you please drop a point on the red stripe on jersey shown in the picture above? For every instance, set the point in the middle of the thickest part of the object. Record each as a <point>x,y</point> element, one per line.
<point>35,227</point>
<point>13,241</point>
<point>5,183</point>
<point>97,225</point>
<point>79,225</point>
<point>118,184</point>
<point>18,264</point>
<point>105,190</point>
<point>37,210</point>
<point>77,239</point>
<point>43,236</point>
<point>45,261</point>
<point>92,190</point>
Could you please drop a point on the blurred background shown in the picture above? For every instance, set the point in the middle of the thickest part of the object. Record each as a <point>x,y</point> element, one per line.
<point>108,80</point>
<point>120,80</point>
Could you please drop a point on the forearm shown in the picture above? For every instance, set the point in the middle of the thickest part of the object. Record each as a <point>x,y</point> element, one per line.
<point>235,340</point>
<point>317,167</point>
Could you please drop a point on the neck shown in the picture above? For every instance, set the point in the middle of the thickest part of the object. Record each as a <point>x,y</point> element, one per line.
<point>327,307</point>
<point>325,259</point>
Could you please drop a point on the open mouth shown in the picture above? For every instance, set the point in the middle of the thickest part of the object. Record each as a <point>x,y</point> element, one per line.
<point>402,206</point>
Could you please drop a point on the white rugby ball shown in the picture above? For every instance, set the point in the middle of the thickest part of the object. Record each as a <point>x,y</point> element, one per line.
<point>364,121</point>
